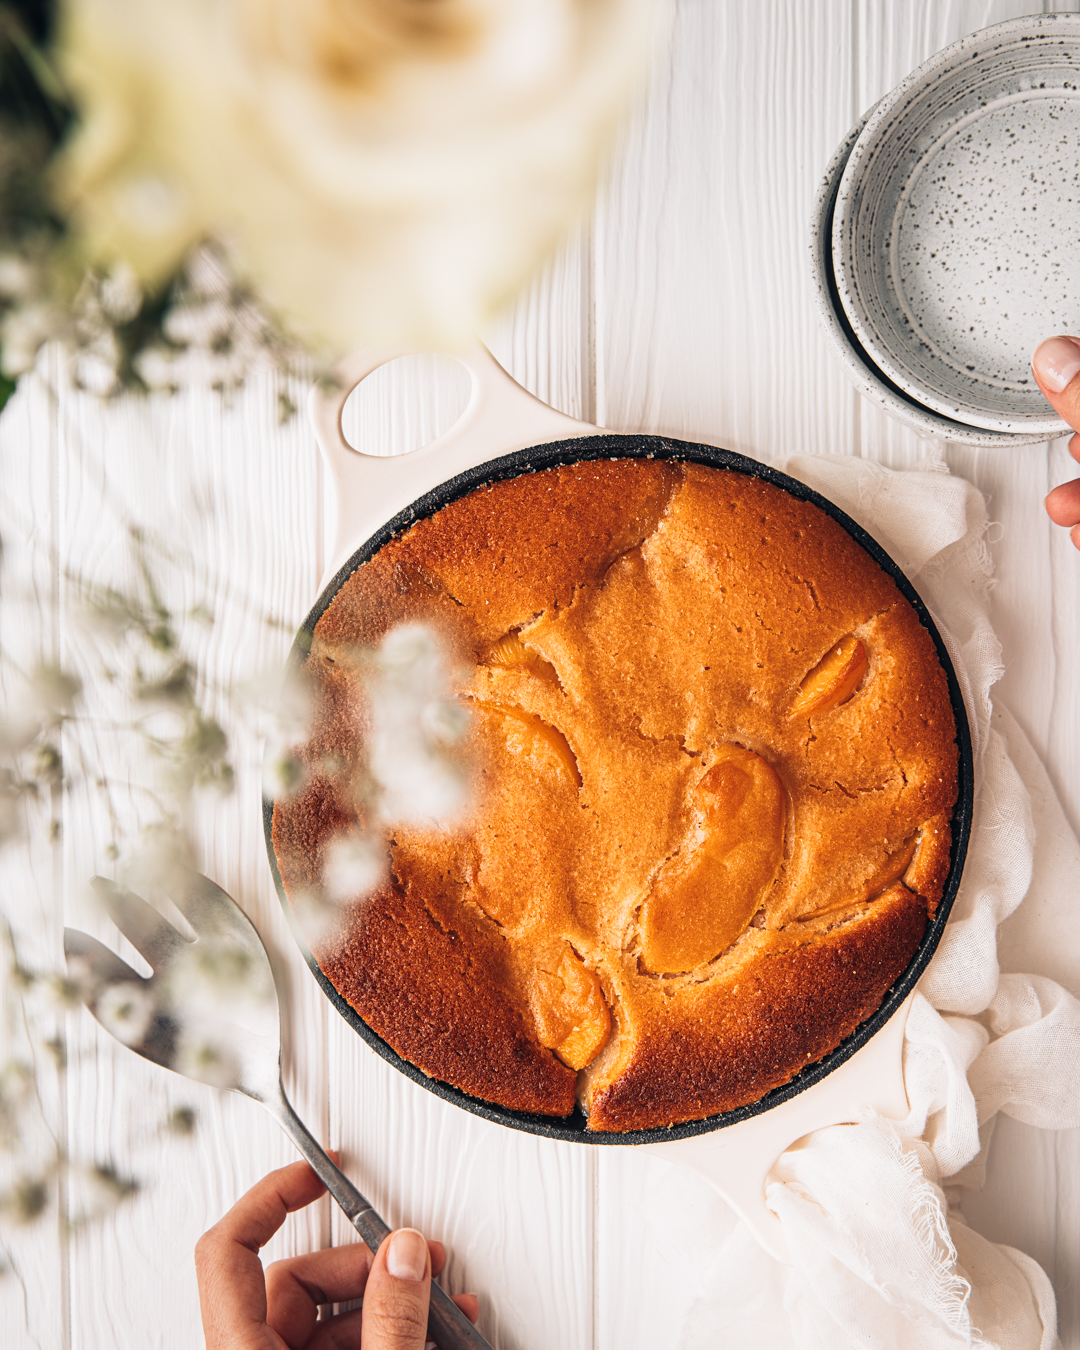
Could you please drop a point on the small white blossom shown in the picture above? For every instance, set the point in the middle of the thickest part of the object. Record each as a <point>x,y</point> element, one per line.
<point>94,1192</point>
<point>120,293</point>
<point>24,331</point>
<point>414,723</point>
<point>316,917</point>
<point>284,773</point>
<point>354,865</point>
<point>18,277</point>
<point>207,1060</point>
<point>126,1010</point>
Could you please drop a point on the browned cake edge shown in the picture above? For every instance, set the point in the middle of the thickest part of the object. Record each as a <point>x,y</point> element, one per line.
<point>786,1011</point>
<point>409,976</point>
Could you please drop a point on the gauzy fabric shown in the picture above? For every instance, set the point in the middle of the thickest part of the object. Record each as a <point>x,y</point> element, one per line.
<point>872,1211</point>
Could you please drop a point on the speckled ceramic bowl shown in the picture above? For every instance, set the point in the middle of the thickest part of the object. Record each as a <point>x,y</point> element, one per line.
<point>956,229</point>
<point>870,381</point>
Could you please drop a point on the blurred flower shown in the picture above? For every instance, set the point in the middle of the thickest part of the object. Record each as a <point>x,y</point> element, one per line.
<point>414,723</point>
<point>182,1120</point>
<point>27,1199</point>
<point>218,977</point>
<point>55,690</point>
<point>382,170</point>
<point>127,1010</point>
<point>203,1058</point>
<point>353,866</point>
<point>96,1191</point>
<point>284,773</point>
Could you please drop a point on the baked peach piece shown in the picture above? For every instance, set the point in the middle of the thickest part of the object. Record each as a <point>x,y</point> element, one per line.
<point>713,762</point>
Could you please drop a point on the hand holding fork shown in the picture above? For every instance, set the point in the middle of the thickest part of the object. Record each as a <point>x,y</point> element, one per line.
<point>222,982</point>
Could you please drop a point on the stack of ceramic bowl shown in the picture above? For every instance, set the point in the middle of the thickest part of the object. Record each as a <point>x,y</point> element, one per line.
<point>946,240</point>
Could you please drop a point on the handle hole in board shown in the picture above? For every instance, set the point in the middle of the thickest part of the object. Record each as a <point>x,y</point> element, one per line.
<point>406,404</point>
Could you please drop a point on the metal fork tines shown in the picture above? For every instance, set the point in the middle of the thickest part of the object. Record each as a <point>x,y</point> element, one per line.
<point>210,1012</point>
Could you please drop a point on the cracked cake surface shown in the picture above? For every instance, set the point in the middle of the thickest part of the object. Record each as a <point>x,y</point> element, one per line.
<point>713,762</point>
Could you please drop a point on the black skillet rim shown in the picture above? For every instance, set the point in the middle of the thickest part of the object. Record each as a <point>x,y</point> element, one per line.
<point>616,446</point>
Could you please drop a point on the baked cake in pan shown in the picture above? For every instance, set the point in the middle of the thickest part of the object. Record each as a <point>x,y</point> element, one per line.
<point>714,765</point>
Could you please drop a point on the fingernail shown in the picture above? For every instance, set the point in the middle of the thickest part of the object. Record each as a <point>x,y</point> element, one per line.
<point>1057,363</point>
<point>406,1258</point>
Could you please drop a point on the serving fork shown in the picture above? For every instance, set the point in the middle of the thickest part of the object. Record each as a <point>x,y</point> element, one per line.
<point>210,1012</point>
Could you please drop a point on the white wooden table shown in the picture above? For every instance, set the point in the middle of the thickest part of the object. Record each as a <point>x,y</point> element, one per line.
<point>684,309</point>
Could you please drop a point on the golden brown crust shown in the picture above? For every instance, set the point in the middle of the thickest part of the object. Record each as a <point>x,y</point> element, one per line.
<point>637,638</point>
<point>753,1033</point>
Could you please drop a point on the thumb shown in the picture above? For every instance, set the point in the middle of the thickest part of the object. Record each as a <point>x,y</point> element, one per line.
<point>397,1292</point>
<point>1056,365</point>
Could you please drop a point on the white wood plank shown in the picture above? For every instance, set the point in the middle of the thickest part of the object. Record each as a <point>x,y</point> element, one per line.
<point>405,404</point>
<point>545,340</point>
<point>229,503</point>
<point>659,1230</point>
<point>515,1212</point>
<point>34,1286</point>
<point>892,39</point>
<point>704,320</point>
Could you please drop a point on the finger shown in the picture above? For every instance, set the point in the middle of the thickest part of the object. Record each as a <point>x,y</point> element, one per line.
<point>1056,366</point>
<point>296,1287</point>
<point>1063,504</point>
<point>469,1305</point>
<point>232,1291</point>
<point>1074,446</point>
<point>342,1332</point>
<point>398,1288</point>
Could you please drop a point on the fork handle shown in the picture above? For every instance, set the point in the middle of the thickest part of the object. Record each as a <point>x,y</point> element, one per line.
<point>448,1326</point>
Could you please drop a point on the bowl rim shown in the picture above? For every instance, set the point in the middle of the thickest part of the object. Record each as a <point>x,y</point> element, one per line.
<point>611,445</point>
<point>879,121</point>
<point>871,382</point>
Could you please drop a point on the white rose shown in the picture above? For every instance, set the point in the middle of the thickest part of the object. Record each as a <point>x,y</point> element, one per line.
<point>382,170</point>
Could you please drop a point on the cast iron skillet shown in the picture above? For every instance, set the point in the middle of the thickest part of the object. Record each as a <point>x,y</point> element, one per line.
<point>608,446</point>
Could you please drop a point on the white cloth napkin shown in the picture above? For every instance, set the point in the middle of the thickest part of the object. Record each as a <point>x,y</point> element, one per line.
<point>882,1256</point>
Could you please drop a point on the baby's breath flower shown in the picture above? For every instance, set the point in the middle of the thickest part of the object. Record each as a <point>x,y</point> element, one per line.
<point>414,724</point>
<point>10,795</point>
<point>96,1191</point>
<point>55,690</point>
<point>182,1120</point>
<point>353,866</point>
<point>127,1010</point>
<point>208,1061</point>
<point>316,916</point>
<point>284,773</point>
<point>26,1200</point>
<point>48,765</point>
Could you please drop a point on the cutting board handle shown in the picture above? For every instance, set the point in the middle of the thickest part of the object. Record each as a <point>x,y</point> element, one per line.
<point>736,1161</point>
<point>368,489</point>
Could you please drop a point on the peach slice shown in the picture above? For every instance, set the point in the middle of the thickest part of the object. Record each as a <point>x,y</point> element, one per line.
<point>551,736</point>
<point>894,868</point>
<point>510,653</point>
<point>568,1005</point>
<point>706,897</point>
<point>833,680</point>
